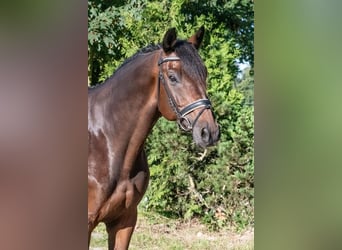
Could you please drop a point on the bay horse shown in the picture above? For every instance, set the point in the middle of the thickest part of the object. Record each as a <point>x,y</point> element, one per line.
<point>166,80</point>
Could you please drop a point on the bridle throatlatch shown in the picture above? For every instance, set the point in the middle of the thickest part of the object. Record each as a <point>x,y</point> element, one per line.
<point>183,122</point>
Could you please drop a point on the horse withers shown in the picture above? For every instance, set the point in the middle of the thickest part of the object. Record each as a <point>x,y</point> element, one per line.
<point>166,80</point>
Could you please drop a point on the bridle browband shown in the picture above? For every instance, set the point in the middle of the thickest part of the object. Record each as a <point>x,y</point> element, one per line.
<point>183,122</point>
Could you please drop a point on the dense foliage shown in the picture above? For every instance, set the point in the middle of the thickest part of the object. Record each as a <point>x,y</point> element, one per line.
<point>217,185</point>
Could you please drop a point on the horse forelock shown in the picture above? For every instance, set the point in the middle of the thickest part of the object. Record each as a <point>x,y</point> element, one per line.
<point>191,60</point>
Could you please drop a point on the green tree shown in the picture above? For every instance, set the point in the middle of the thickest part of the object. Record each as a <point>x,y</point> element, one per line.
<point>245,84</point>
<point>108,28</point>
<point>116,29</point>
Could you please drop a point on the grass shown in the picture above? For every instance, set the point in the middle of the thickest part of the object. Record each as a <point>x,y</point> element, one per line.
<point>156,232</point>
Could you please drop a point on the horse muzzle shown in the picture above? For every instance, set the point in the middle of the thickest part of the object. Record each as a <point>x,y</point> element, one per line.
<point>205,134</point>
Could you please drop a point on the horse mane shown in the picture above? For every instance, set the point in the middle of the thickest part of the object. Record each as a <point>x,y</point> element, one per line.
<point>186,52</point>
<point>147,49</point>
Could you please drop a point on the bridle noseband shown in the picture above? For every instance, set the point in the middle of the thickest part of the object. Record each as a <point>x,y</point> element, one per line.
<point>183,122</point>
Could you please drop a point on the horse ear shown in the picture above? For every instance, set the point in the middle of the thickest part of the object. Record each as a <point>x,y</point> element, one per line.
<point>197,38</point>
<point>169,40</point>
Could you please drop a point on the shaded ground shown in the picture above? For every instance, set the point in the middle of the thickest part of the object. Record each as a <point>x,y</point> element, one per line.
<point>169,234</point>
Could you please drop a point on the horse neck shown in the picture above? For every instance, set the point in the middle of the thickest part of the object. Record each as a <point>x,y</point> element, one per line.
<point>131,106</point>
<point>135,89</point>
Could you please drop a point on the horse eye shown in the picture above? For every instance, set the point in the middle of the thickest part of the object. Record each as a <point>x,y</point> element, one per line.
<point>173,78</point>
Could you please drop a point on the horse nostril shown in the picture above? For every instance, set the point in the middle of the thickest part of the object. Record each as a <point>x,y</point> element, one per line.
<point>205,134</point>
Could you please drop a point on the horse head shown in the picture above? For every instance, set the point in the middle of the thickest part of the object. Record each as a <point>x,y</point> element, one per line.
<point>182,87</point>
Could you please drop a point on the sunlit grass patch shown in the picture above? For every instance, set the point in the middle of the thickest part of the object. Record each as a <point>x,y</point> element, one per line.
<point>157,232</point>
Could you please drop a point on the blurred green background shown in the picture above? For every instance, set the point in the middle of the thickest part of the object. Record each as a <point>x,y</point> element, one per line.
<point>298,125</point>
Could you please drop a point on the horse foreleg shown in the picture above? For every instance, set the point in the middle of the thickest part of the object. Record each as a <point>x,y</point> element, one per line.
<point>92,223</point>
<point>89,235</point>
<point>95,198</point>
<point>120,232</point>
